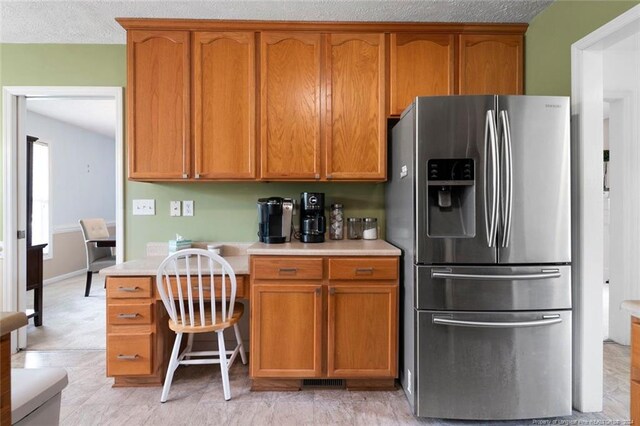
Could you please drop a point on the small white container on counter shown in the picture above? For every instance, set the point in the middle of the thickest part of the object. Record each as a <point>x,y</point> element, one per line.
<point>214,248</point>
<point>370,228</point>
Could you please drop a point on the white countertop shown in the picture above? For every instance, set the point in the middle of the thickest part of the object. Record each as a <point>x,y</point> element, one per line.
<point>631,306</point>
<point>149,266</point>
<point>328,248</point>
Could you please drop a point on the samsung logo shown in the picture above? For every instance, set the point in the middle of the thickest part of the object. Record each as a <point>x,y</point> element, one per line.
<point>551,106</point>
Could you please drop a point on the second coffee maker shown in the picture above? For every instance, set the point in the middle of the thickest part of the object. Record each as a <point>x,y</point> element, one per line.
<point>312,220</point>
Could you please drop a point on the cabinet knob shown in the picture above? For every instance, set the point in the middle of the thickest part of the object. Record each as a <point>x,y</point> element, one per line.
<point>318,290</point>
<point>332,291</point>
<point>185,176</point>
<point>197,175</point>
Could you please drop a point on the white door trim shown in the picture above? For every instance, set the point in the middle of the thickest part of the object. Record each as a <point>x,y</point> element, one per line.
<point>9,199</point>
<point>587,113</point>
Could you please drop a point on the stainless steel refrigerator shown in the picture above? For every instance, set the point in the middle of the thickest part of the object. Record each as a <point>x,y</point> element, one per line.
<point>478,199</point>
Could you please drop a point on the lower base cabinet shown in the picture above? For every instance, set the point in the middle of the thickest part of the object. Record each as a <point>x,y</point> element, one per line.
<point>342,324</point>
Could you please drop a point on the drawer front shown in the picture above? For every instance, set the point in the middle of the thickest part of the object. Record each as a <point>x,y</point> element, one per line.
<point>129,314</point>
<point>287,268</point>
<point>129,354</point>
<point>241,292</point>
<point>129,287</point>
<point>363,268</point>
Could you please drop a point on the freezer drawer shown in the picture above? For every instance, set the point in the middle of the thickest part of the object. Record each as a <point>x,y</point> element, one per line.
<point>493,288</point>
<point>498,366</point>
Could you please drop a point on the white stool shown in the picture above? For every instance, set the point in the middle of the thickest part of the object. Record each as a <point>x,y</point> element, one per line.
<point>36,394</point>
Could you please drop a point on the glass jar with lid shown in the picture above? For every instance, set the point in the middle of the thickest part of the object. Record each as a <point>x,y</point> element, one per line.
<point>354,228</point>
<point>370,228</point>
<point>336,229</point>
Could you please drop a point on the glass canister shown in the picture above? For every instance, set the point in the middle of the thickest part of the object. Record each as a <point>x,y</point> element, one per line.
<point>370,228</point>
<point>354,228</point>
<point>336,230</point>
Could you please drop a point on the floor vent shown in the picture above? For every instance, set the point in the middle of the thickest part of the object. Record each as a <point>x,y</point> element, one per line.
<point>323,383</point>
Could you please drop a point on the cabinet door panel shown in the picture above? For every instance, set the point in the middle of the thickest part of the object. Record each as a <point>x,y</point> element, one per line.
<point>356,124</point>
<point>290,106</point>
<point>491,64</point>
<point>286,330</point>
<point>421,65</point>
<point>362,331</point>
<point>224,105</point>
<point>158,87</point>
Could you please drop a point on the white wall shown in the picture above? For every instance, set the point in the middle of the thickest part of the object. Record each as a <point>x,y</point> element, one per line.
<point>82,186</point>
<point>621,70</point>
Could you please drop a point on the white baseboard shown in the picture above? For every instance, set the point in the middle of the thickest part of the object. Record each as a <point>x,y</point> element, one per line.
<point>64,276</point>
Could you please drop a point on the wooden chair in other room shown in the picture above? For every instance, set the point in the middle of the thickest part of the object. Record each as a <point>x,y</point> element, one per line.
<point>97,257</point>
<point>197,303</point>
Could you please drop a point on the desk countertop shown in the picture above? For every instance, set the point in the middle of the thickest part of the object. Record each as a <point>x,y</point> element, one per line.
<point>149,266</point>
<point>631,306</point>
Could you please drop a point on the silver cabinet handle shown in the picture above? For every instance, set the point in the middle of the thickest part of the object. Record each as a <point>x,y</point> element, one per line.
<point>128,357</point>
<point>288,270</point>
<point>544,274</point>
<point>367,271</point>
<point>129,289</point>
<point>491,148</point>
<point>128,316</point>
<point>507,202</point>
<point>549,320</point>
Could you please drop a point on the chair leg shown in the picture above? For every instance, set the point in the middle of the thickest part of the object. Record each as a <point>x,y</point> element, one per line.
<point>224,365</point>
<point>173,365</point>
<point>189,346</point>
<point>243,355</point>
<point>88,287</point>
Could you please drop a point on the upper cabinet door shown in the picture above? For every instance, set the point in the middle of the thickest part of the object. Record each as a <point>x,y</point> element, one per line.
<point>491,64</point>
<point>421,65</point>
<point>355,118</point>
<point>224,105</point>
<point>158,86</point>
<point>290,106</point>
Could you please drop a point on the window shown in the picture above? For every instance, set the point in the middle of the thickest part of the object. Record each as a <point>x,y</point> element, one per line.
<point>40,230</point>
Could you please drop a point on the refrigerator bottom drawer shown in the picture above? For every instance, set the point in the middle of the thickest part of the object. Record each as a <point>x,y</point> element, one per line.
<point>493,365</point>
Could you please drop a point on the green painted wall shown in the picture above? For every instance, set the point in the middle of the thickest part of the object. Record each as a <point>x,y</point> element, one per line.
<point>550,36</point>
<point>227,211</point>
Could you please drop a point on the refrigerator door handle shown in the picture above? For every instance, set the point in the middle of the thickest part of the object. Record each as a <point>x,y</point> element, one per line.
<point>543,274</point>
<point>491,148</point>
<point>507,160</point>
<point>548,320</point>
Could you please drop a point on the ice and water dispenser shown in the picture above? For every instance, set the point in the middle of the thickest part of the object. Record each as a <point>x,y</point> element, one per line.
<point>451,186</point>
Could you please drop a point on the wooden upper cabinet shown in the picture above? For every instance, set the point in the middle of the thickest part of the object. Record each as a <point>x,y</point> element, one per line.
<point>491,64</point>
<point>158,86</point>
<point>224,89</point>
<point>290,106</point>
<point>421,65</point>
<point>355,119</point>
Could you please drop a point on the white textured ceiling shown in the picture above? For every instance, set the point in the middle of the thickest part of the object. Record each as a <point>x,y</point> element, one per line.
<point>93,114</point>
<point>47,21</point>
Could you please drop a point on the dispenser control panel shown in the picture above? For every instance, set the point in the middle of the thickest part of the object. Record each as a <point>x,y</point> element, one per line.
<point>450,171</point>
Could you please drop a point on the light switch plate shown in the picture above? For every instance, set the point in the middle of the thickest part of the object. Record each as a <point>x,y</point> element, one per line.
<point>144,207</point>
<point>187,208</point>
<point>174,208</point>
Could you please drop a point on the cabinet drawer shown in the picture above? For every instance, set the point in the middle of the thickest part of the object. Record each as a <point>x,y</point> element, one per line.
<point>363,268</point>
<point>129,287</point>
<point>241,291</point>
<point>287,268</point>
<point>129,314</point>
<point>635,349</point>
<point>129,354</point>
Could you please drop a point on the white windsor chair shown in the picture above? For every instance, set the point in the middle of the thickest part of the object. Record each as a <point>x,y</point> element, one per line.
<point>198,303</point>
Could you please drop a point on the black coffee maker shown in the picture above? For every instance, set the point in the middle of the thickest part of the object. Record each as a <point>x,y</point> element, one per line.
<point>312,220</point>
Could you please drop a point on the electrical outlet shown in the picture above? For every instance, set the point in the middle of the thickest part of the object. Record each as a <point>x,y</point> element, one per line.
<point>174,208</point>
<point>144,207</point>
<point>187,208</point>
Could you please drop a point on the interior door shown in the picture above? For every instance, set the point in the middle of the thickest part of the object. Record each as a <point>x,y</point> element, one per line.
<point>536,213</point>
<point>456,218</point>
<point>21,215</point>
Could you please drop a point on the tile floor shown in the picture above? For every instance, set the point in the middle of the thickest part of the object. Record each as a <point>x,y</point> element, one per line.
<point>196,395</point>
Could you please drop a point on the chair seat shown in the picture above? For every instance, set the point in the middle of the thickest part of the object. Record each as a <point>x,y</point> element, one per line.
<point>238,310</point>
<point>103,262</point>
<point>33,387</point>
